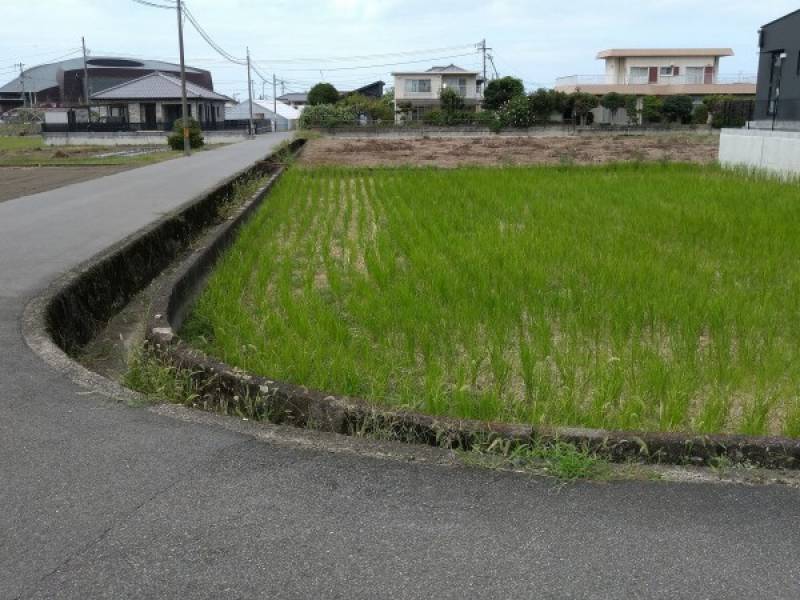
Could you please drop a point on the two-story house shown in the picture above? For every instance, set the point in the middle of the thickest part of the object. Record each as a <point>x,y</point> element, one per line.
<point>660,72</point>
<point>418,91</point>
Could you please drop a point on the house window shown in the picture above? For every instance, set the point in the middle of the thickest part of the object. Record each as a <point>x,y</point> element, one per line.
<point>695,74</point>
<point>459,84</point>
<point>415,86</point>
<point>639,75</point>
<point>666,71</point>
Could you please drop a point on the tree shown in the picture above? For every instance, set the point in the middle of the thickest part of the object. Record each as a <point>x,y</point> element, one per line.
<point>613,101</point>
<point>500,91</point>
<point>677,108</point>
<point>327,116</point>
<point>543,103</point>
<point>450,100</point>
<point>632,108</point>
<point>651,109</point>
<point>516,113</point>
<point>582,104</point>
<point>374,109</point>
<point>323,93</point>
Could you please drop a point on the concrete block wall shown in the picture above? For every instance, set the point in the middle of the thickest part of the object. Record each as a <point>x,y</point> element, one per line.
<point>776,152</point>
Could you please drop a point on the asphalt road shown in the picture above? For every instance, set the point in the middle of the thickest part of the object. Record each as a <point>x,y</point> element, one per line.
<point>98,499</point>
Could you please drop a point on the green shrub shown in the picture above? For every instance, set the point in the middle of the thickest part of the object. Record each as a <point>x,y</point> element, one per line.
<point>500,91</point>
<point>677,108</point>
<point>729,111</point>
<point>613,102</point>
<point>327,115</point>
<point>581,105</point>
<point>434,117</point>
<point>516,113</point>
<point>175,139</point>
<point>450,100</point>
<point>543,103</point>
<point>374,109</point>
<point>700,115</point>
<point>651,109</point>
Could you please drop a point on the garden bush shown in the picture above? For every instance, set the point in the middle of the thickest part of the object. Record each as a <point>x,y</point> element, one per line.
<point>175,139</point>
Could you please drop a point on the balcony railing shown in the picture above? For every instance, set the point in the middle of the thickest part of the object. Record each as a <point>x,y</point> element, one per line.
<point>581,80</point>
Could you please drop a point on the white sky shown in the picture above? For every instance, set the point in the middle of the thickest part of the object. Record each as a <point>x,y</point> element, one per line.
<point>534,40</point>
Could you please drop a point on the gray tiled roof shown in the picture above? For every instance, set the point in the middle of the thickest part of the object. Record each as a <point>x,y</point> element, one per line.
<point>156,86</point>
<point>43,77</point>
<point>451,68</point>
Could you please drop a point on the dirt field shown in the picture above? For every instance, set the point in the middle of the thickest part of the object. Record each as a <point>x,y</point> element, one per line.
<point>503,151</point>
<point>23,181</point>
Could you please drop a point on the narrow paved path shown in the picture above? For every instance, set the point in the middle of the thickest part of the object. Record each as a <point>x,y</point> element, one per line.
<point>101,500</point>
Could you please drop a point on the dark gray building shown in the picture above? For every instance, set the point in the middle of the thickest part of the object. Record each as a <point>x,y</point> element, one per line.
<point>778,92</point>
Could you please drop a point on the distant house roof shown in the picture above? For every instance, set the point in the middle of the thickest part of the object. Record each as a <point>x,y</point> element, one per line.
<point>241,111</point>
<point>662,52</point>
<point>294,97</point>
<point>156,86</point>
<point>439,71</point>
<point>43,77</point>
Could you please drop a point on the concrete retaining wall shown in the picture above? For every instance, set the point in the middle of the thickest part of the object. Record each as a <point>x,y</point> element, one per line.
<point>775,152</point>
<point>133,138</point>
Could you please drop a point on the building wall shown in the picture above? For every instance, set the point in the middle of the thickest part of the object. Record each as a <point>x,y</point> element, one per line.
<point>780,36</point>
<point>776,152</point>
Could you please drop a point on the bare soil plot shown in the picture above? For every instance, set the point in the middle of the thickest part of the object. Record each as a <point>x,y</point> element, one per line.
<point>24,181</point>
<point>505,151</point>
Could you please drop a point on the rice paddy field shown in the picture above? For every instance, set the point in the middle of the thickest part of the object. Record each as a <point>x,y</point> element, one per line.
<point>639,296</point>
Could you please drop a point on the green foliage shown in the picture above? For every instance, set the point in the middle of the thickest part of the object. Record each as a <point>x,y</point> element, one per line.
<point>500,91</point>
<point>651,109</point>
<point>516,113</point>
<point>700,114</point>
<point>729,111</point>
<point>323,93</point>
<point>543,103</point>
<point>563,296</point>
<point>632,108</point>
<point>613,102</point>
<point>677,109</point>
<point>175,139</point>
<point>450,100</point>
<point>374,109</point>
<point>581,104</point>
<point>327,115</point>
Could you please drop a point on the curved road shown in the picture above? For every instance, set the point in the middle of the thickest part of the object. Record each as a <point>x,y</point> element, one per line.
<point>98,499</point>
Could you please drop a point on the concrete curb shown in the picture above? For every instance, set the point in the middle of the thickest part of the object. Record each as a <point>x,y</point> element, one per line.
<point>72,309</point>
<point>232,391</point>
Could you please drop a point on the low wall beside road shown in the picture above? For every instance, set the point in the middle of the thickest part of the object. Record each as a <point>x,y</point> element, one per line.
<point>776,152</point>
<point>133,138</point>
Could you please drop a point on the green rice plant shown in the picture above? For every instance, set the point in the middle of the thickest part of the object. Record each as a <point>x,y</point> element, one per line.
<point>639,296</point>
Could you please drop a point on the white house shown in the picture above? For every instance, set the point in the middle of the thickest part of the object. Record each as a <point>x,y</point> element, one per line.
<point>420,90</point>
<point>660,72</point>
<point>286,119</point>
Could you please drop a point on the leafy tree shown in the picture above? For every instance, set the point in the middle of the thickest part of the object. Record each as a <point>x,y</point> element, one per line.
<point>613,101</point>
<point>651,109</point>
<point>175,139</point>
<point>327,115</point>
<point>374,109</point>
<point>700,115</point>
<point>582,103</point>
<point>677,108</point>
<point>500,91</point>
<point>543,103</point>
<point>323,93</point>
<point>450,100</point>
<point>632,108</point>
<point>516,113</point>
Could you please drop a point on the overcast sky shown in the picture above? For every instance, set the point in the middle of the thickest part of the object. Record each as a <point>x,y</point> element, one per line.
<point>534,40</point>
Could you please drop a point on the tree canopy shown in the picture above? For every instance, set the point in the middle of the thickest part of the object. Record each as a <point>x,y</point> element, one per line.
<point>500,91</point>
<point>323,93</point>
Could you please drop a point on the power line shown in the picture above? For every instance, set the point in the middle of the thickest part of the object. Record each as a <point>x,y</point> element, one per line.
<point>395,64</point>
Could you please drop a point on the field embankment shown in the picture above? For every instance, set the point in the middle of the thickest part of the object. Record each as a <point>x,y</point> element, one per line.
<point>505,151</point>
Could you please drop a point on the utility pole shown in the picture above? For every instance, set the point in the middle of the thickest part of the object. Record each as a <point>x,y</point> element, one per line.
<point>187,148</point>
<point>283,87</point>
<point>275,102</point>
<point>86,79</point>
<point>250,93</point>
<point>483,50</point>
